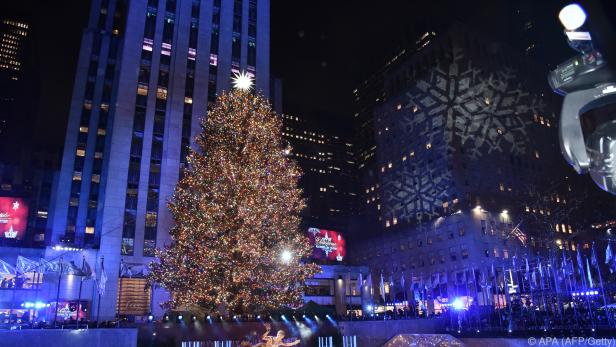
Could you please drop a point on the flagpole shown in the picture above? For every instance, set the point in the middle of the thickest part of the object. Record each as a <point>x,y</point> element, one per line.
<point>55,317</point>
<point>607,314</point>
<point>98,304</point>
<point>120,294</point>
<point>83,261</point>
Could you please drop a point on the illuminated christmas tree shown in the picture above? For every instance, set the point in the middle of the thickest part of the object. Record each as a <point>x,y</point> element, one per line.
<point>236,242</point>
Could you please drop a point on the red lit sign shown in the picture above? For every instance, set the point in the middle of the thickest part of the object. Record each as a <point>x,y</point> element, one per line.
<point>327,244</point>
<point>13,218</point>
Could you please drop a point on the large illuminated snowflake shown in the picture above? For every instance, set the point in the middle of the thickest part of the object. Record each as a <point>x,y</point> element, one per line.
<point>486,111</point>
<point>455,107</point>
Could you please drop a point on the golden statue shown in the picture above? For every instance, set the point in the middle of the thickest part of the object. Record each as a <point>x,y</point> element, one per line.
<point>274,341</point>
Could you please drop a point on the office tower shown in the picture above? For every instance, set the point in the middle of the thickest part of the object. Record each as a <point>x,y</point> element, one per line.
<point>13,41</point>
<point>467,156</point>
<point>147,71</point>
<point>328,179</point>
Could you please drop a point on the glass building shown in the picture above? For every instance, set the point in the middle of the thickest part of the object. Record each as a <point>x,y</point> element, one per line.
<point>147,72</point>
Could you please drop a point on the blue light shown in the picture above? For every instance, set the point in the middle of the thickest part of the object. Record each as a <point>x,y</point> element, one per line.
<point>180,317</point>
<point>457,304</point>
<point>150,318</point>
<point>369,308</point>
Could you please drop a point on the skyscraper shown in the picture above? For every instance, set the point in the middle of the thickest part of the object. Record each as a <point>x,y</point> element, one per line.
<point>328,179</point>
<point>13,36</point>
<point>147,72</point>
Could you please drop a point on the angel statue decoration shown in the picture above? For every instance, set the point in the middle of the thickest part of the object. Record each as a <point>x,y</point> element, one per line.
<point>274,341</point>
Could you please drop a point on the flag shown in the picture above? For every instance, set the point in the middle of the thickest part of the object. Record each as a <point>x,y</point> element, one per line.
<point>360,283</point>
<point>594,260</point>
<point>26,265</point>
<point>579,261</point>
<point>6,268</point>
<point>590,284</point>
<point>382,288</point>
<point>125,270</point>
<point>103,280</point>
<point>87,270</point>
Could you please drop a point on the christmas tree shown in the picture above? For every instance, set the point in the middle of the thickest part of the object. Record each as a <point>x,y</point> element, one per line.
<point>236,241</point>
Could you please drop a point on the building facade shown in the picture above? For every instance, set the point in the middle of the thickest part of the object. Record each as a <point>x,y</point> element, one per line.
<point>468,168</point>
<point>14,42</point>
<point>147,72</point>
<point>328,178</point>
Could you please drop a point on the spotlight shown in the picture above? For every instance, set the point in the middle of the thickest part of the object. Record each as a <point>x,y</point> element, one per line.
<point>234,316</point>
<point>303,316</point>
<point>208,317</point>
<point>510,331</point>
<point>259,317</point>
<point>457,304</point>
<point>572,16</point>
<point>477,330</point>
<point>166,318</point>
<point>593,330</point>
<point>180,317</point>
<point>150,318</point>
<point>193,318</point>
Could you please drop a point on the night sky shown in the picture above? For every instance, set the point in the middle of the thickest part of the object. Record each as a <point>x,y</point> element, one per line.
<point>320,49</point>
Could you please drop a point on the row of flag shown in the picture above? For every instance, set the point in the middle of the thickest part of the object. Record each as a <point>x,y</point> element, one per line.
<point>536,277</point>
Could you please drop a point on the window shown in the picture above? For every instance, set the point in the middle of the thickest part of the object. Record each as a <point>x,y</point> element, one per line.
<point>81,152</point>
<point>77,176</point>
<point>90,230</point>
<point>161,93</point>
<point>464,252</point>
<point>496,253</point>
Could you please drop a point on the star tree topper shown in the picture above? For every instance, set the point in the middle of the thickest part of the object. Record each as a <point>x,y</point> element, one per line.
<point>242,81</point>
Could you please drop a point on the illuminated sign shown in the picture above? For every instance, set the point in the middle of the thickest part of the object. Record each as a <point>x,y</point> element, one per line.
<point>327,244</point>
<point>13,218</point>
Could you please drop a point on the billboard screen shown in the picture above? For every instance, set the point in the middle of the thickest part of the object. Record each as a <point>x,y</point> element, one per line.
<point>13,218</point>
<point>327,245</point>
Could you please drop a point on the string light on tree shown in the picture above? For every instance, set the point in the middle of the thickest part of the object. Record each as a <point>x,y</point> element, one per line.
<point>236,243</point>
<point>242,81</point>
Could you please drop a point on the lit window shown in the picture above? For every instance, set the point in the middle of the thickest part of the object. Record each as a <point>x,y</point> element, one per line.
<point>537,154</point>
<point>428,145</point>
<point>41,214</point>
<point>389,165</point>
<point>83,129</point>
<point>395,221</point>
<point>387,224</point>
<point>81,152</point>
<point>98,155</point>
<point>187,100</point>
<point>142,89</point>
<point>96,178</point>
<point>161,93</point>
<point>77,176</point>
<point>399,107</point>
<point>89,230</point>
<point>101,131</point>
<point>501,187</point>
